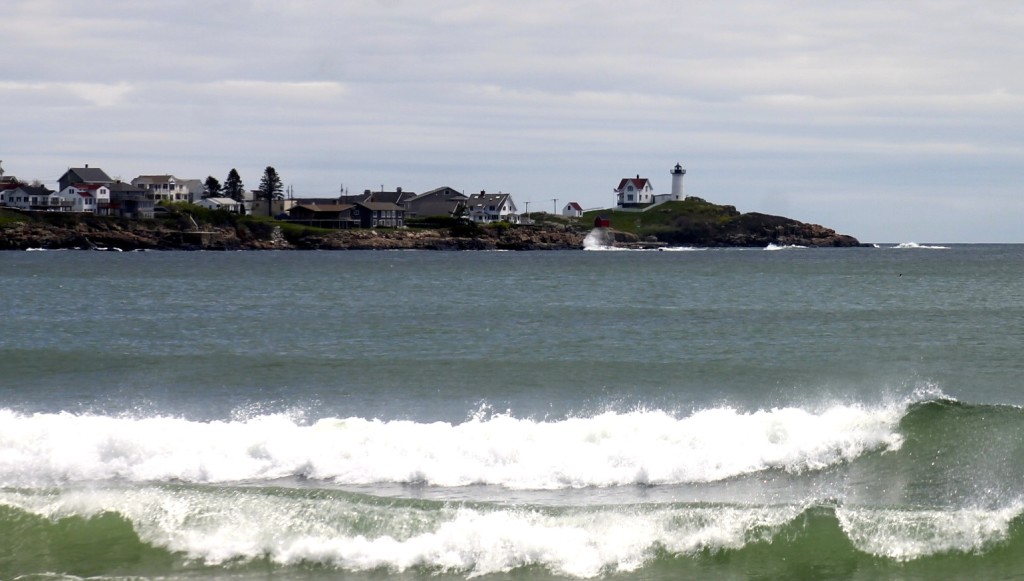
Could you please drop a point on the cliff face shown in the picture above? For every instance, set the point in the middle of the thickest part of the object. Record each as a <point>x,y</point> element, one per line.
<point>753,229</point>
<point>92,232</point>
<point>99,233</point>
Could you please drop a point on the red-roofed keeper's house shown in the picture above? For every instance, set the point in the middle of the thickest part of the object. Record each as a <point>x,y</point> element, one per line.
<point>634,192</point>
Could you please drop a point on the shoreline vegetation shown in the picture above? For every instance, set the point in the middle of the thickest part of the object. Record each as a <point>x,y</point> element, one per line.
<point>693,222</point>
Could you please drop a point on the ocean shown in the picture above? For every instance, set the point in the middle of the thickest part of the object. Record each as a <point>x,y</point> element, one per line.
<point>781,413</point>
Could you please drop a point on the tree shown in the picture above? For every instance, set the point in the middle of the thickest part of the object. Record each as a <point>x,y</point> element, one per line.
<point>211,188</point>
<point>271,188</point>
<point>233,187</point>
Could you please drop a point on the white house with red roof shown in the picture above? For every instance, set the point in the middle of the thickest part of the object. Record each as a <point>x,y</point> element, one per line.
<point>634,192</point>
<point>572,210</point>
<point>94,198</point>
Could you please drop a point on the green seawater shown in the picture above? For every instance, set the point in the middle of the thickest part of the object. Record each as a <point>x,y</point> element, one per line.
<point>704,414</point>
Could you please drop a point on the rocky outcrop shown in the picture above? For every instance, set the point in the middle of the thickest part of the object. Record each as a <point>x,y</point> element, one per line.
<point>525,238</point>
<point>753,230</point>
<point>92,232</point>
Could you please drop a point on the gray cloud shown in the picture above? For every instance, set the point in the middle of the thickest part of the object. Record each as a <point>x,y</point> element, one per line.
<point>887,121</point>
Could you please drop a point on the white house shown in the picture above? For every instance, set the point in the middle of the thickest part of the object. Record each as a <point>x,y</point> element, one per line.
<point>634,192</point>
<point>36,198</point>
<point>164,188</point>
<point>484,207</point>
<point>572,210</point>
<point>226,204</point>
<point>93,198</point>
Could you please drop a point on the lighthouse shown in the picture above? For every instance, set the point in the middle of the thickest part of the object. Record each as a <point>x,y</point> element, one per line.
<point>677,182</point>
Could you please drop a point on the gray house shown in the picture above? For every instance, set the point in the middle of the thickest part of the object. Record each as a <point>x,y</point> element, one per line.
<point>443,201</point>
<point>130,201</point>
<point>83,175</point>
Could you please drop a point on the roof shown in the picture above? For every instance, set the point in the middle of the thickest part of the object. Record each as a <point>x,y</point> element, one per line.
<point>125,187</point>
<point>324,207</point>
<point>575,206</point>
<point>380,206</point>
<point>222,201</point>
<point>443,193</point>
<point>88,174</point>
<point>157,179</point>
<point>89,187</point>
<point>486,198</point>
<point>638,182</point>
<point>35,190</point>
<point>396,197</point>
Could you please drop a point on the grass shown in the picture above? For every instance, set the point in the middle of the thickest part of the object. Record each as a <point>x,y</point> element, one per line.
<point>10,218</point>
<point>667,217</point>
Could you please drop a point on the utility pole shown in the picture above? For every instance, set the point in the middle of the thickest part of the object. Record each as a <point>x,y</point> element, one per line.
<point>554,205</point>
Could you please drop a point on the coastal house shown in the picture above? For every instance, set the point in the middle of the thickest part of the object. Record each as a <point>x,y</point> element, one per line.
<point>443,201</point>
<point>634,192</point>
<point>91,198</point>
<point>572,210</point>
<point>258,205</point>
<point>34,198</point>
<point>128,201</point>
<point>486,208</point>
<point>83,175</point>
<point>166,188</point>
<point>226,204</point>
<point>324,214</point>
<point>379,215</point>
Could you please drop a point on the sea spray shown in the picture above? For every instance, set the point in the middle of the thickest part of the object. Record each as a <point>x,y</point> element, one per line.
<point>608,449</point>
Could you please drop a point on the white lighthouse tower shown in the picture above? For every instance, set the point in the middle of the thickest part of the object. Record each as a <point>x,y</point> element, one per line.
<point>677,182</point>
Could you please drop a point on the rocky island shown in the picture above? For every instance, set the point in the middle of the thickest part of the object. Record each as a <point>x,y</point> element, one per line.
<point>693,222</point>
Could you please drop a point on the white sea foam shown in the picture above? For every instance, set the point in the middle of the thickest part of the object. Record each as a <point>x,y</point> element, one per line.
<point>217,526</point>
<point>610,449</point>
<point>915,245</point>
<point>905,535</point>
<point>598,239</point>
<point>783,247</point>
<point>220,526</point>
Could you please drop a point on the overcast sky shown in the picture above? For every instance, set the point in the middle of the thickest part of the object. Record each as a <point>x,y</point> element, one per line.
<point>888,121</point>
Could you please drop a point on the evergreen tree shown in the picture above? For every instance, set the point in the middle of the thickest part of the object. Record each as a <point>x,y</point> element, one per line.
<point>211,188</point>
<point>233,187</point>
<point>271,188</point>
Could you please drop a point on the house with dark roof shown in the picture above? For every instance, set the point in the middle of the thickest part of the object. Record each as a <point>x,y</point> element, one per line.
<point>83,175</point>
<point>443,201</point>
<point>324,214</point>
<point>129,201</point>
<point>485,208</point>
<point>33,198</point>
<point>380,215</point>
<point>634,192</point>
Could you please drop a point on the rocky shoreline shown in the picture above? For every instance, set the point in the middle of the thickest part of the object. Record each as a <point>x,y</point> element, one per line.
<point>92,232</point>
